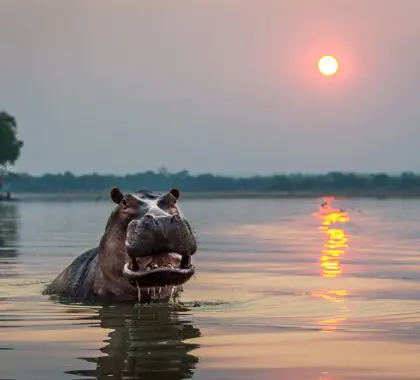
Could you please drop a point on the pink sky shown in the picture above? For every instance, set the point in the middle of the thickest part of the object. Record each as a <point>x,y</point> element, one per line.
<point>220,86</point>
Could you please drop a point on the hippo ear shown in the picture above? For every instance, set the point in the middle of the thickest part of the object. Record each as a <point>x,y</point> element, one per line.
<point>175,193</point>
<point>116,195</point>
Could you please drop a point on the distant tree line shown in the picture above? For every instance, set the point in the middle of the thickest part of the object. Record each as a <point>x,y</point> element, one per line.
<point>161,180</point>
<point>335,182</point>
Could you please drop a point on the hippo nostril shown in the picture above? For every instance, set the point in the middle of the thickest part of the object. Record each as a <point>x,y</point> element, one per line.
<point>150,221</point>
<point>175,219</point>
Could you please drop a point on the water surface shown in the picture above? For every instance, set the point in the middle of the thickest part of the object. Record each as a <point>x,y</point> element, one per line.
<point>281,292</point>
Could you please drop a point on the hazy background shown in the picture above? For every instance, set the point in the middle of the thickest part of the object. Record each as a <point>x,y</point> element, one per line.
<point>222,86</point>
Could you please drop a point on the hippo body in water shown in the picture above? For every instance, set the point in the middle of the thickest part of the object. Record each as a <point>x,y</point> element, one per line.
<point>143,255</point>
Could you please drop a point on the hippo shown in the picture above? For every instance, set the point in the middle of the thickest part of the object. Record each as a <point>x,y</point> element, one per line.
<point>144,254</point>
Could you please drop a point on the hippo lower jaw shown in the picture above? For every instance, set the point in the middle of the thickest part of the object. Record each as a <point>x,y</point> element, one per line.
<point>156,274</point>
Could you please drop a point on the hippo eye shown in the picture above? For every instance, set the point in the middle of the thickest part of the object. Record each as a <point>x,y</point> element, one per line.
<point>124,202</point>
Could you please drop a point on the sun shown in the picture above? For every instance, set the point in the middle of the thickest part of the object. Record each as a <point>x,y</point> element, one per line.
<point>328,65</point>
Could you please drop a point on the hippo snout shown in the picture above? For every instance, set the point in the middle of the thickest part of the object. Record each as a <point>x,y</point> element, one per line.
<point>150,222</point>
<point>152,235</point>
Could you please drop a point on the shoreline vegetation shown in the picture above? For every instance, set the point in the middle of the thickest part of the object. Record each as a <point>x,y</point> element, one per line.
<point>104,196</point>
<point>209,186</point>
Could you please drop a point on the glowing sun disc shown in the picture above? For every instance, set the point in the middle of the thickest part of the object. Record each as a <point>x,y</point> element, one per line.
<point>328,65</point>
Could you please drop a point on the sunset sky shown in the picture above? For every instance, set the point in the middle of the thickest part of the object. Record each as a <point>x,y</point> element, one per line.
<point>222,86</point>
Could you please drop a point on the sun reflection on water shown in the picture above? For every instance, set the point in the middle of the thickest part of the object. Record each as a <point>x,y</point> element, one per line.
<point>336,241</point>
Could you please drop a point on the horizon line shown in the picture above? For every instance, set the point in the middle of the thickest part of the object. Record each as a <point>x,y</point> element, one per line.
<point>188,173</point>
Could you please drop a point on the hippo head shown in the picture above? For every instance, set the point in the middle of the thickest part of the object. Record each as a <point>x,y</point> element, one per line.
<point>159,240</point>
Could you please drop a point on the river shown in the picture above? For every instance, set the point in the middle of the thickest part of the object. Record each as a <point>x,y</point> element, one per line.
<point>282,291</point>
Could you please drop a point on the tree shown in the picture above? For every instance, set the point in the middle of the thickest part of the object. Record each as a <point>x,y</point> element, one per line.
<point>10,146</point>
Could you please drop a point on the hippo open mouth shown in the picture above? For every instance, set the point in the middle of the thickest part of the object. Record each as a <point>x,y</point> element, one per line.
<point>159,245</point>
<point>159,270</point>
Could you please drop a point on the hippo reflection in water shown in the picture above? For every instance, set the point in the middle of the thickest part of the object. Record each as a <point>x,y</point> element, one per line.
<point>145,252</point>
<point>143,343</point>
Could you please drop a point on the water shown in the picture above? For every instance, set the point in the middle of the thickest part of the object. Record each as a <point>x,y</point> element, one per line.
<point>279,294</point>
